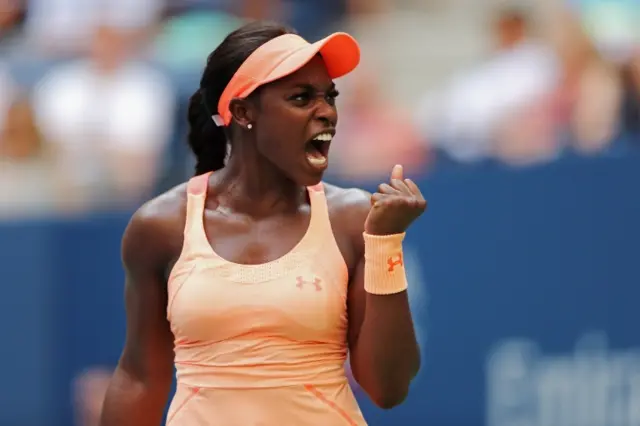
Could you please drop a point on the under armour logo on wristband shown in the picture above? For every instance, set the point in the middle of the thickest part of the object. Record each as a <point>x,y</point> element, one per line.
<point>394,261</point>
<point>316,283</point>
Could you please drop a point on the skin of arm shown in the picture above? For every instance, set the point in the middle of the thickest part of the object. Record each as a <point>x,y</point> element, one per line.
<point>140,385</point>
<point>384,352</point>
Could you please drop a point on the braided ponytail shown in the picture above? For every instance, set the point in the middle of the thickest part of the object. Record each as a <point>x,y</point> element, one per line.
<point>208,141</point>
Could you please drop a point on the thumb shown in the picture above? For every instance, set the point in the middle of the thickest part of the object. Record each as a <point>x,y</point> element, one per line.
<point>397,172</point>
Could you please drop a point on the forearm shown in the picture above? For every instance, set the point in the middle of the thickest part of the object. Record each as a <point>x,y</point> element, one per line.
<point>386,356</point>
<point>133,402</point>
<point>386,351</point>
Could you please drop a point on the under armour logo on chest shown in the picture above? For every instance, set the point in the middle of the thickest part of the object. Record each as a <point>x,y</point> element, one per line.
<point>394,261</point>
<point>316,283</point>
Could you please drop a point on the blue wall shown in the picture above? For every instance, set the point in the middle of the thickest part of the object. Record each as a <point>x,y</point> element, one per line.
<point>528,292</point>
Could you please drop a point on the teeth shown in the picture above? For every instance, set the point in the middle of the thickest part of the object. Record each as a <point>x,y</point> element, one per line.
<point>317,161</point>
<point>324,137</point>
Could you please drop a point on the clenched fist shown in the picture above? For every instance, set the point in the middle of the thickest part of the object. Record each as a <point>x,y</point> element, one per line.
<point>395,206</point>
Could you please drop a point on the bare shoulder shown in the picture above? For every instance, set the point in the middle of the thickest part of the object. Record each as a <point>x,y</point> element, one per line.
<point>165,207</point>
<point>155,229</point>
<point>348,206</point>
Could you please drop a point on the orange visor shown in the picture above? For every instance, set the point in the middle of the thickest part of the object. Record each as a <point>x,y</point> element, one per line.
<point>283,56</point>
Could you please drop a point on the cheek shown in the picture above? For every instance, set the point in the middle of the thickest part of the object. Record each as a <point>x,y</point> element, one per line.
<point>283,131</point>
<point>273,145</point>
<point>273,148</point>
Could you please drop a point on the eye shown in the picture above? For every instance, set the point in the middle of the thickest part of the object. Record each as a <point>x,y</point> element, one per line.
<point>301,98</point>
<point>331,96</point>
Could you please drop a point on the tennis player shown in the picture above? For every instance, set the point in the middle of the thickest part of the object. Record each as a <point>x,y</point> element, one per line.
<point>255,279</point>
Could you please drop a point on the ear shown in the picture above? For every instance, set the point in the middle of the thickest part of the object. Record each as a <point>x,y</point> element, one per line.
<point>243,111</point>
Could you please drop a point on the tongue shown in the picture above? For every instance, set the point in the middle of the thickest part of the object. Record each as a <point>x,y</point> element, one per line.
<point>313,152</point>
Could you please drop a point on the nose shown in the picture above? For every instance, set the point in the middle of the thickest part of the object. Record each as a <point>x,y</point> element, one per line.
<point>326,113</point>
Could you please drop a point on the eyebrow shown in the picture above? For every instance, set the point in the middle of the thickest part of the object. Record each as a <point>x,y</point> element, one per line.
<point>308,86</point>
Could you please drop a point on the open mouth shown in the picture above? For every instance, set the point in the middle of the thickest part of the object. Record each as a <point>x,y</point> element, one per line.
<point>317,150</point>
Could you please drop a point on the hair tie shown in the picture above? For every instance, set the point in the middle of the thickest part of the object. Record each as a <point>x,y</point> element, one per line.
<point>218,120</point>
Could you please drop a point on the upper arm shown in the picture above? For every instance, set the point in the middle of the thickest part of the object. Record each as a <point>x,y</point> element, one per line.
<point>148,350</point>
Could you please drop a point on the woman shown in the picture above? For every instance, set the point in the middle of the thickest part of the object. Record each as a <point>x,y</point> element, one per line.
<point>255,274</point>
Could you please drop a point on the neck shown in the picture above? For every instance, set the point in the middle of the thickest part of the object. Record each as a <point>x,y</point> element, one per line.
<point>251,185</point>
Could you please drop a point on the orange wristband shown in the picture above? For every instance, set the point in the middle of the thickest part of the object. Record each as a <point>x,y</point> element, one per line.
<point>384,264</point>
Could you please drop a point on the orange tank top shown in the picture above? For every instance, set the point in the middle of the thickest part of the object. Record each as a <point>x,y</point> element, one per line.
<point>260,344</point>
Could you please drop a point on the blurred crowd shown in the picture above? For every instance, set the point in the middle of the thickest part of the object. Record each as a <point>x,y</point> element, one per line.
<point>93,92</point>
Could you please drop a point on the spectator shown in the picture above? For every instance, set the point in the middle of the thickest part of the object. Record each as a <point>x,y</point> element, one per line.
<point>631,101</point>
<point>65,27</point>
<point>191,28</point>
<point>8,93</point>
<point>590,91</point>
<point>374,133</point>
<point>250,9</point>
<point>28,184</point>
<point>107,115</point>
<point>467,118</point>
<point>612,25</point>
<point>529,134</point>
<point>11,15</point>
<point>89,391</point>
<point>315,19</point>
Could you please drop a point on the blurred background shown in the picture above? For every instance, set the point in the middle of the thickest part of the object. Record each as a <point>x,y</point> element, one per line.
<point>519,118</point>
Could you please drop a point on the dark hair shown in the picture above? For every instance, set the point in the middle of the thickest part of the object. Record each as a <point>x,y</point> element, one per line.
<point>630,100</point>
<point>208,141</point>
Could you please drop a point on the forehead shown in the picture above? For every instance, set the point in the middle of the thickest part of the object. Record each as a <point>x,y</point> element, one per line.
<point>314,73</point>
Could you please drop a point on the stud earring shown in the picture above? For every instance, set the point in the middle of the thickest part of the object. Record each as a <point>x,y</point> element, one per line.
<point>249,126</point>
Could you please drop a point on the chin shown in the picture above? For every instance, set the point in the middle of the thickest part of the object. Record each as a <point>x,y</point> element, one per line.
<point>305,174</point>
<point>308,178</point>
